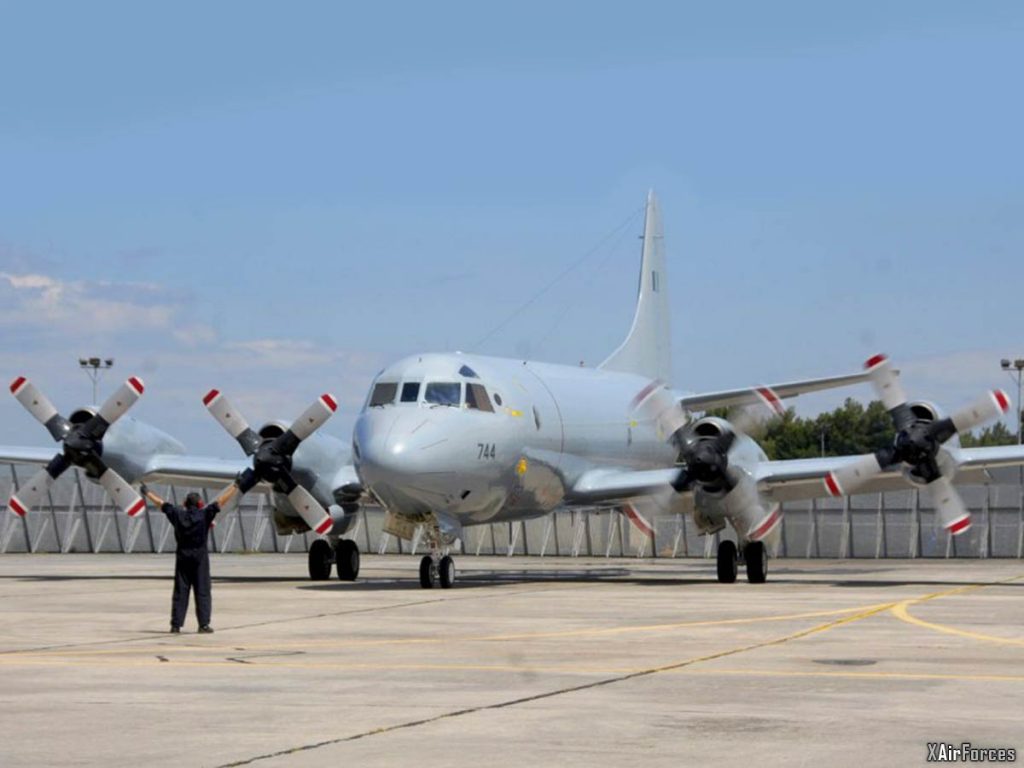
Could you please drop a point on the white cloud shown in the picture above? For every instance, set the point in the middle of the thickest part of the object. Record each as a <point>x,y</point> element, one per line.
<point>47,304</point>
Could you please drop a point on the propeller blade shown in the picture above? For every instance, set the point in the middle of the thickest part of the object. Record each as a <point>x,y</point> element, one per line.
<point>989,406</point>
<point>30,494</point>
<point>114,408</point>
<point>36,403</point>
<point>749,417</point>
<point>766,524</point>
<point>314,417</point>
<point>949,506</point>
<point>232,420</point>
<point>310,510</point>
<point>845,479</point>
<point>656,404</point>
<point>887,384</point>
<point>122,494</point>
<point>641,523</point>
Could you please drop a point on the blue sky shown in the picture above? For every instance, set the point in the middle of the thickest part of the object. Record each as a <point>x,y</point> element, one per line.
<point>279,199</point>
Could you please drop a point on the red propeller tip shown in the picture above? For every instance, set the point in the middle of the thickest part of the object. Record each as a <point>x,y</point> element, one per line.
<point>325,525</point>
<point>876,360</point>
<point>14,504</point>
<point>210,396</point>
<point>959,526</point>
<point>17,384</point>
<point>771,399</point>
<point>1001,400</point>
<point>137,507</point>
<point>136,383</point>
<point>329,401</point>
<point>832,485</point>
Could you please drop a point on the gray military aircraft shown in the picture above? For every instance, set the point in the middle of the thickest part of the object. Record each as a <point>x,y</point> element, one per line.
<point>446,441</point>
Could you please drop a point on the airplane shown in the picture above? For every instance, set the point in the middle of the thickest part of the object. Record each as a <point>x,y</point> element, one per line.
<point>445,441</point>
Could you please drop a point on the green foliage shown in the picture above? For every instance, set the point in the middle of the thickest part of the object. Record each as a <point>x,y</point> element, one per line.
<point>997,434</point>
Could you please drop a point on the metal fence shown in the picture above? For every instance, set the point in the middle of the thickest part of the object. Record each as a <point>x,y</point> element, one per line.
<point>79,518</point>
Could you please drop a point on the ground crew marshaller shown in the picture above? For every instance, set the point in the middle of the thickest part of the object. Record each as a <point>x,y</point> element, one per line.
<point>192,561</point>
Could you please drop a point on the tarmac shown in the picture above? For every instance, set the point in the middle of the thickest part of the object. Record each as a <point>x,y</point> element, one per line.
<point>526,662</point>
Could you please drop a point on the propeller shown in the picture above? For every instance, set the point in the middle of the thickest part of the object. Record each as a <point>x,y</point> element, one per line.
<point>704,450</point>
<point>272,456</point>
<point>917,445</point>
<point>82,445</point>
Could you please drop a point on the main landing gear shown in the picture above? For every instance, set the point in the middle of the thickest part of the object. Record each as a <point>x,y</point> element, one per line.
<point>437,571</point>
<point>322,555</point>
<point>754,555</point>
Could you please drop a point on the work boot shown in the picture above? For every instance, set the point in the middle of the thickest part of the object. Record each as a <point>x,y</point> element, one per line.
<point>206,629</point>
<point>175,630</point>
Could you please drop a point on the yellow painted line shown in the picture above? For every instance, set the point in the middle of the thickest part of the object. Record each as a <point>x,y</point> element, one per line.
<point>242,647</point>
<point>902,612</point>
<point>894,675</point>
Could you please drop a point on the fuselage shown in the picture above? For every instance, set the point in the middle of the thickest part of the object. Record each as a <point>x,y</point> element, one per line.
<point>484,439</point>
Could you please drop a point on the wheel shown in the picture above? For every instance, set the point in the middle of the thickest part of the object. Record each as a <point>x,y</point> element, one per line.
<point>727,562</point>
<point>757,562</point>
<point>427,577</point>
<point>446,572</point>
<point>320,558</point>
<point>346,555</point>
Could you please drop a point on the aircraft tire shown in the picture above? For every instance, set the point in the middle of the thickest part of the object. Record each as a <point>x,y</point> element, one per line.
<point>346,555</point>
<point>728,564</point>
<point>446,572</point>
<point>427,572</point>
<point>320,558</point>
<point>757,562</point>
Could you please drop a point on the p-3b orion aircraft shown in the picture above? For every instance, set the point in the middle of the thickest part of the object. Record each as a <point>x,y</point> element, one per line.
<point>446,441</point>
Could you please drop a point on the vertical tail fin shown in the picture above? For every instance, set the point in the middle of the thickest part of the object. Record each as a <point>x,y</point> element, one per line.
<point>647,348</point>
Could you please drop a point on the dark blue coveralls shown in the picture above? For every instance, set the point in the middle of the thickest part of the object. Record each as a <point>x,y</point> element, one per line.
<point>192,561</point>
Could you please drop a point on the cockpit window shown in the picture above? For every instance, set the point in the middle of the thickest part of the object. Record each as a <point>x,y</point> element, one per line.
<point>410,392</point>
<point>444,393</point>
<point>468,372</point>
<point>476,397</point>
<point>383,393</point>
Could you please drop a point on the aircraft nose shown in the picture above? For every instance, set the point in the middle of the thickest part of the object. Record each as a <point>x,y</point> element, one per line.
<point>395,447</point>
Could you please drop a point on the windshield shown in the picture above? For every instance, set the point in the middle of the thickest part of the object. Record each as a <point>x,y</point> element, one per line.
<point>444,393</point>
<point>476,397</point>
<point>383,393</point>
<point>410,392</point>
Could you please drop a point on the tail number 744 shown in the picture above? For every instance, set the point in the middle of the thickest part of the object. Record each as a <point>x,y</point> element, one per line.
<point>485,451</point>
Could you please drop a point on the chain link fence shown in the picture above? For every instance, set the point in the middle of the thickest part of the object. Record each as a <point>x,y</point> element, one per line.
<point>79,518</point>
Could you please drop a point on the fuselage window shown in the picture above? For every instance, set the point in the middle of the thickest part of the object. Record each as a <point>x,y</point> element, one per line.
<point>476,397</point>
<point>468,372</point>
<point>497,398</point>
<point>444,393</point>
<point>384,393</point>
<point>410,392</point>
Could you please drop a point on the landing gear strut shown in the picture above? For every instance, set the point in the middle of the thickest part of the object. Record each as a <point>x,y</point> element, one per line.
<point>437,572</point>
<point>728,562</point>
<point>757,562</point>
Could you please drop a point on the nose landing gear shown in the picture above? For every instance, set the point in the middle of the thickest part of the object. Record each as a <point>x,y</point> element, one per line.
<point>437,571</point>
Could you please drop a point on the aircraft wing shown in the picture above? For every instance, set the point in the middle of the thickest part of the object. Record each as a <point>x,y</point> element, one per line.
<point>201,471</point>
<point>797,479</point>
<point>788,480</point>
<point>19,454</point>
<point>748,395</point>
<point>600,485</point>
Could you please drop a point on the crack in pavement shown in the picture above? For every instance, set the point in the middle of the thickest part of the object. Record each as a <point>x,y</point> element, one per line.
<point>874,610</point>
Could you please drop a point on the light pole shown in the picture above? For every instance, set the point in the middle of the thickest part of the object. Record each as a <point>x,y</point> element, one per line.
<point>94,368</point>
<point>1010,367</point>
